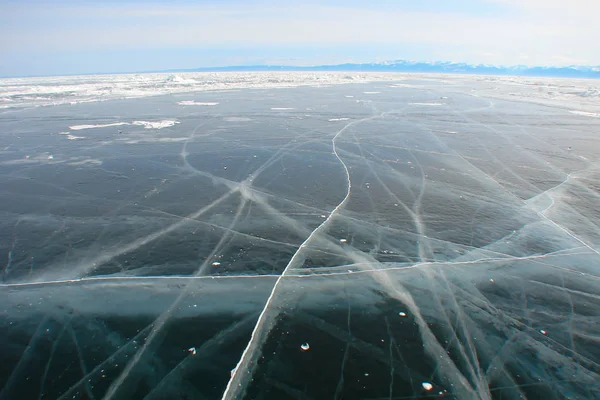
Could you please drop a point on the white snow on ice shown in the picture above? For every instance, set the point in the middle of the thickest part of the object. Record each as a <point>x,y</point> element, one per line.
<point>80,127</point>
<point>585,113</point>
<point>196,103</point>
<point>156,124</point>
<point>47,91</point>
<point>146,124</point>
<point>237,119</point>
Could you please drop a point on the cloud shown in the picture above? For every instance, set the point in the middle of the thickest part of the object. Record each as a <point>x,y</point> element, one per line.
<point>200,26</point>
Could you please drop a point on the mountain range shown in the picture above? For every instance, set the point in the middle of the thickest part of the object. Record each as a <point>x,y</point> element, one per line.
<point>572,71</point>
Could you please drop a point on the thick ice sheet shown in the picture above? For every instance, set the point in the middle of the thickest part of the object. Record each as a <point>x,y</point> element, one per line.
<point>438,237</point>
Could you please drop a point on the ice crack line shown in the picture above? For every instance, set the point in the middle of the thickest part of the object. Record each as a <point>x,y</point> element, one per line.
<point>265,322</point>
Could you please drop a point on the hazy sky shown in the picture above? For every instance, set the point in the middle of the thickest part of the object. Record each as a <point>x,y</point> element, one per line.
<point>49,37</point>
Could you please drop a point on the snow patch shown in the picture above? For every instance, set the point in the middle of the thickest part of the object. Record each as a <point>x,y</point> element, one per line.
<point>156,124</point>
<point>196,103</point>
<point>80,127</point>
<point>585,113</point>
<point>237,119</point>
<point>157,140</point>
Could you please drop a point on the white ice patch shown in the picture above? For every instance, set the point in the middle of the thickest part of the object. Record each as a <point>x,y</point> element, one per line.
<point>403,85</point>
<point>282,108</point>
<point>71,137</point>
<point>157,140</point>
<point>146,124</point>
<point>586,114</point>
<point>237,119</point>
<point>80,127</point>
<point>196,103</point>
<point>81,161</point>
<point>338,119</point>
<point>427,104</point>
<point>371,92</point>
<point>156,124</point>
<point>43,91</point>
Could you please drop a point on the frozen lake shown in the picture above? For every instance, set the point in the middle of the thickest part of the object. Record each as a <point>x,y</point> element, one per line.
<point>297,236</point>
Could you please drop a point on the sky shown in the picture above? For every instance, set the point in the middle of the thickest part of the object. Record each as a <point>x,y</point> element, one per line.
<point>81,36</point>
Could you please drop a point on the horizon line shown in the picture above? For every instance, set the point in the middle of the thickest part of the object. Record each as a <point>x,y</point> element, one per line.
<point>377,66</point>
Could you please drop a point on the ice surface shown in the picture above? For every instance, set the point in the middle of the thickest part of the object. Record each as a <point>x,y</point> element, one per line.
<point>43,91</point>
<point>80,127</point>
<point>315,241</point>
<point>427,104</point>
<point>155,124</point>
<point>587,114</point>
<point>196,103</point>
<point>146,124</point>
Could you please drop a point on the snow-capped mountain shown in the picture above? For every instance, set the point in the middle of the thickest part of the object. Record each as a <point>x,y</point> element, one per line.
<point>573,71</point>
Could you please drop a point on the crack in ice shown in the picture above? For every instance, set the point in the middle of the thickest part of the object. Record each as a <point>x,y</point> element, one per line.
<point>237,380</point>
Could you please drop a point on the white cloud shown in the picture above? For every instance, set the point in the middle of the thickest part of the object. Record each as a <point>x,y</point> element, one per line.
<point>299,25</point>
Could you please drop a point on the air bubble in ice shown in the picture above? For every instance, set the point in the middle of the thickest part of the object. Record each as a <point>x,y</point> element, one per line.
<point>192,350</point>
<point>427,386</point>
<point>543,332</point>
<point>216,264</point>
<point>343,240</point>
<point>305,346</point>
<point>402,314</point>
